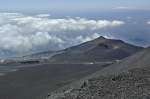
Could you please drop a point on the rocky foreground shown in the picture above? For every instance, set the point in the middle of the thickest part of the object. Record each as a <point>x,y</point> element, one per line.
<point>133,84</point>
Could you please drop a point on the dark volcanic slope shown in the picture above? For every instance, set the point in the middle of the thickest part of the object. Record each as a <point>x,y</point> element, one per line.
<point>35,82</point>
<point>129,79</point>
<point>100,49</point>
<point>138,60</point>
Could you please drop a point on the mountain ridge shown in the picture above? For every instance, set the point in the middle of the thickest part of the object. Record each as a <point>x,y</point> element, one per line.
<point>99,49</point>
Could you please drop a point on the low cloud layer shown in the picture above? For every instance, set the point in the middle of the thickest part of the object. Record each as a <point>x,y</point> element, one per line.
<point>148,22</point>
<point>24,33</point>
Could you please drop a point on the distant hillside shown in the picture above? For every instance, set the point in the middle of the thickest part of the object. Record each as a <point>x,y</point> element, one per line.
<point>98,50</point>
<point>39,55</point>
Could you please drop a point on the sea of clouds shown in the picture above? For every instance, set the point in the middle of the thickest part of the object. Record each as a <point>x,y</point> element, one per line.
<point>24,33</point>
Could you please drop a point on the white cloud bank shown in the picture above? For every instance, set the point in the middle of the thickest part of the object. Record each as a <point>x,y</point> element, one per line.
<point>19,32</point>
<point>148,22</point>
<point>125,8</point>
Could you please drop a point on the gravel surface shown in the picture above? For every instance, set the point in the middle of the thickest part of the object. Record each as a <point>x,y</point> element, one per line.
<point>133,84</point>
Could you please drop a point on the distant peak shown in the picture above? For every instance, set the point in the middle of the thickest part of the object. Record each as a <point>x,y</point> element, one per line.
<point>101,37</point>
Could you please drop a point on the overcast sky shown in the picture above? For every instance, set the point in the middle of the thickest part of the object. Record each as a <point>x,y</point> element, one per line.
<point>73,5</point>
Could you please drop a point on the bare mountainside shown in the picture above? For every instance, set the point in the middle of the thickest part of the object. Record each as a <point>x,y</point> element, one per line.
<point>128,79</point>
<point>35,80</point>
<point>98,50</point>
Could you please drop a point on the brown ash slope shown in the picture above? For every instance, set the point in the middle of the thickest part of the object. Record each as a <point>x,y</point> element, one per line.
<point>129,79</point>
<point>98,50</point>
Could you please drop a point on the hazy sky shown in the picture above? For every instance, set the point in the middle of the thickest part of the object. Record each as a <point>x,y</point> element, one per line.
<point>73,5</point>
